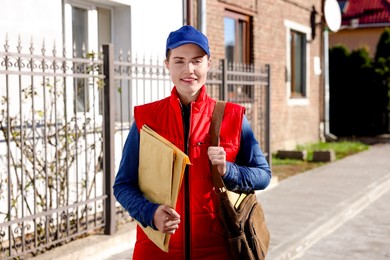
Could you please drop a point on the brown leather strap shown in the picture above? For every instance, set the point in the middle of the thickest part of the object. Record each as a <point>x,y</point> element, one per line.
<point>215,129</point>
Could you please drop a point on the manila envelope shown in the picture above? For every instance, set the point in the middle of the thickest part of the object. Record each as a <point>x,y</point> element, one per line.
<point>160,174</point>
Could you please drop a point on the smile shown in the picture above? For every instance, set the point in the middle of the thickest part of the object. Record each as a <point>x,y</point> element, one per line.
<point>189,80</point>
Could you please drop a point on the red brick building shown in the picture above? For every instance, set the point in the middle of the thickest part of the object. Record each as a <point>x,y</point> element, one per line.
<point>279,33</point>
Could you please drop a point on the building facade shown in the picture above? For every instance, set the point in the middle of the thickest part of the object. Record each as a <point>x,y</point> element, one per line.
<point>278,33</point>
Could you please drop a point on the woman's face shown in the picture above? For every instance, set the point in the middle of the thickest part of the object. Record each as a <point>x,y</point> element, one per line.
<point>188,65</point>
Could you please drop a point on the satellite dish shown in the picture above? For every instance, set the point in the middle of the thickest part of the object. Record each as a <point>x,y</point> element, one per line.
<point>332,14</point>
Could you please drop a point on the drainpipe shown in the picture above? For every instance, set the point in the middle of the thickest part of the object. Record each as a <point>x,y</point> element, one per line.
<point>187,12</point>
<point>325,49</point>
<point>202,24</point>
<point>328,135</point>
<point>184,12</point>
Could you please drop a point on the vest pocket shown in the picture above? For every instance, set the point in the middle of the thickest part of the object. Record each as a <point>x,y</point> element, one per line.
<point>200,147</point>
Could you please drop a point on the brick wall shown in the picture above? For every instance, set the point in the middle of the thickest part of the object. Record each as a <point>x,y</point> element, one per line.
<point>290,124</point>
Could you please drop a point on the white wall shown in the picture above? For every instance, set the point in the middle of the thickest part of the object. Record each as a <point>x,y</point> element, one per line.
<point>151,22</point>
<point>38,19</point>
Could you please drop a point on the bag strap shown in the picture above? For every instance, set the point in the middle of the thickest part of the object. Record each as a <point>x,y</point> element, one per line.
<point>215,129</point>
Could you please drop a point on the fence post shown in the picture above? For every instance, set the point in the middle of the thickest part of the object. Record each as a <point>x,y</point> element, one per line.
<point>224,87</point>
<point>108,138</point>
<point>268,117</point>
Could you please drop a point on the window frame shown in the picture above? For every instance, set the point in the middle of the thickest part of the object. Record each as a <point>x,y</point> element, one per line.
<point>90,46</point>
<point>243,40</point>
<point>305,30</point>
<point>246,45</point>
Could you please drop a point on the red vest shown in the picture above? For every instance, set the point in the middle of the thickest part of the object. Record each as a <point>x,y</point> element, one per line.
<point>207,236</point>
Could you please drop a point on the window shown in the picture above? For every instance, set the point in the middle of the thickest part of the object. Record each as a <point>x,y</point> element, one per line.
<point>80,41</point>
<point>87,27</point>
<point>237,32</point>
<point>237,38</point>
<point>298,63</point>
<point>297,50</point>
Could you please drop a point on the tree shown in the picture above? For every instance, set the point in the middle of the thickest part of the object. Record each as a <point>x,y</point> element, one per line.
<point>338,88</point>
<point>382,69</point>
<point>353,95</point>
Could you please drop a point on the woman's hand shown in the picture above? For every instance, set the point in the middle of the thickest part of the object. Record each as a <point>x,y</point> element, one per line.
<point>217,156</point>
<point>166,219</point>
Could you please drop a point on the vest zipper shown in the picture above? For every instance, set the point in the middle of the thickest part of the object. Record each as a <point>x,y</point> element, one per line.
<point>187,228</point>
<point>187,198</point>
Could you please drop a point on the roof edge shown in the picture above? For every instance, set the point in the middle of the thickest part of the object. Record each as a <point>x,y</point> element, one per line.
<point>367,25</point>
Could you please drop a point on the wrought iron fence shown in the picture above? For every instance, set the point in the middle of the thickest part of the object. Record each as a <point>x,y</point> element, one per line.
<point>51,149</point>
<point>249,86</point>
<point>63,123</point>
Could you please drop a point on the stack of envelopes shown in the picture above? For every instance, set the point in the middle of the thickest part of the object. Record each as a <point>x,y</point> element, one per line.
<point>160,174</point>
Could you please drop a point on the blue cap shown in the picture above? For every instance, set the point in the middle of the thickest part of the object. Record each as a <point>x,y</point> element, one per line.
<point>187,34</point>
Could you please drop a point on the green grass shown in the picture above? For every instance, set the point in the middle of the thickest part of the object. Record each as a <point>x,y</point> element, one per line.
<point>342,149</point>
<point>277,161</point>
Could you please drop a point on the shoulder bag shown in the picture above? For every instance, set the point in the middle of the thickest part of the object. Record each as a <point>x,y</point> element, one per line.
<point>241,213</point>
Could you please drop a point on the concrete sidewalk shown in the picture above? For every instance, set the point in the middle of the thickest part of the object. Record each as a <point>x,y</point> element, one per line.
<point>338,211</point>
<point>306,211</point>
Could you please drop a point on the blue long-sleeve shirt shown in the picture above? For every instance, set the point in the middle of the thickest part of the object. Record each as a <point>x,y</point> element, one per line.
<point>249,172</point>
